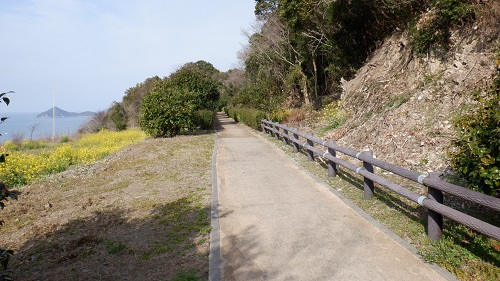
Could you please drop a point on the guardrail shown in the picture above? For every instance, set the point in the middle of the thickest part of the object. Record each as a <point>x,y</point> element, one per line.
<point>433,201</point>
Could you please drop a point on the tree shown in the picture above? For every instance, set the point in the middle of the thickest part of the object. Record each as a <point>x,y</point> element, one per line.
<point>265,7</point>
<point>32,128</point>
<point>97,123</point>
<point>118,116</point>
<point>131,101</point>
<point>303,47</point>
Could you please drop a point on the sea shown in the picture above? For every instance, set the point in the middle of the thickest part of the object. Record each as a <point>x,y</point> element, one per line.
<point>27,125</point>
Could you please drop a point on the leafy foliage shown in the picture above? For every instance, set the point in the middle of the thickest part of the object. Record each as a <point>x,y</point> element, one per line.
<point>131,101</point>
<point>172,105</point>
<point>6,100</point>
<point>205,119</point>
<point>118,115</point>
<point>301,50</point>
<point>5,195</point>
<point>477,154</point>
<point>249,116</point>
<point>433,28</point>
<point>197,79</point>
<point>165,113</point>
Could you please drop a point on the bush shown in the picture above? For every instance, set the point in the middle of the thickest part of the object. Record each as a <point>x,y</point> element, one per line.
<point>248,116</point>
<point>165,113</point>
<point>280,114</point>
<point>196,78</point>
<point>118,116</point>
<point>64,139</point>
<point>232,112</point>
<point>433,28</point>
<point>477,154</point>
<point>205,119</point>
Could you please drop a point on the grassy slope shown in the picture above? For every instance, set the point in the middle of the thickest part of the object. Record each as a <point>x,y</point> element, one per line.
<point>141,213</point>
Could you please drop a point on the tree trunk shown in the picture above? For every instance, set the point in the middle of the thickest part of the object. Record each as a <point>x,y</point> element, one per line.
<point>305,90</point>
<point>315,98</point>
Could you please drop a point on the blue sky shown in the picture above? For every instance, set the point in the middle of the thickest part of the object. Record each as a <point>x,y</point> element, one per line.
<point>85,54</point>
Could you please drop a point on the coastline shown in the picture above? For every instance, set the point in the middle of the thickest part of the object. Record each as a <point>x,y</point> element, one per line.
<point>25,125</point>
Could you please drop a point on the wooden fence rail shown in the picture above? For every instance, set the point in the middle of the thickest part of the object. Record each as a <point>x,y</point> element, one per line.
<point>433,201</point>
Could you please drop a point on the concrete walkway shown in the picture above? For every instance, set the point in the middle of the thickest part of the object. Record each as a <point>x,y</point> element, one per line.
<point>279,223</point>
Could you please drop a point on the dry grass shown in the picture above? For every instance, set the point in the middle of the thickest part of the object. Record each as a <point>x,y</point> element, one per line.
<point>297,116</point>
<point>140,214</point>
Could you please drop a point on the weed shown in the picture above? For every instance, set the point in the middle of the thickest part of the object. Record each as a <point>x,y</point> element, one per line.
<point>114,247</point>
<point>397,101</point>
<point>335,116</point>
<point>297,115</point>
<point>146,255</point>
<point>187,276</point>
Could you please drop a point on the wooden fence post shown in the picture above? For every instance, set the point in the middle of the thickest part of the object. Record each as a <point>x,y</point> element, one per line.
<point>285,140</point>
<point>295,144</point>
<point>434,219</point>
<point>369,187</point>
<point>277,135</point>
<point>310,153</point>
<point>332,166</point>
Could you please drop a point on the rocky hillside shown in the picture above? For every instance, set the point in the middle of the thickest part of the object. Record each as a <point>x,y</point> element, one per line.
<point>401,105</point>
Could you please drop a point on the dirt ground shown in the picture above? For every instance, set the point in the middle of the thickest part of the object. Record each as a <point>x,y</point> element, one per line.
<point>142,213</point>
<point>402,106</point>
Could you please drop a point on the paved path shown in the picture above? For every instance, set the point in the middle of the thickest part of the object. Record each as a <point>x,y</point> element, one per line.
<point>279,223</point>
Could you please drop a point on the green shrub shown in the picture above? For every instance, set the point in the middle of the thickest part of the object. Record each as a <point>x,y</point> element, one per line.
<point>232,112</point>
<point>280,114</point>
<point>248,116</point>
<point>167,113</point>
<point>118,116</point>
<point>205,119</point>
<point>477,154</point>
<point>433,28</point>
<point>196,78</point>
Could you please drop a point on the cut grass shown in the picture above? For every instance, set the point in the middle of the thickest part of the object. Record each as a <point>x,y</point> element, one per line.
<point>463,252</point>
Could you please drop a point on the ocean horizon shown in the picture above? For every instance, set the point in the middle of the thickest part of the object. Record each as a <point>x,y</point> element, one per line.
<point>27,125</point>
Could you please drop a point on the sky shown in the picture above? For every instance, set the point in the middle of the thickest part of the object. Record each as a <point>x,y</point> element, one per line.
<point>82,55</point>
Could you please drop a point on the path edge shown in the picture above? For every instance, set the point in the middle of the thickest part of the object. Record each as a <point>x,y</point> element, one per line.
<point>214,258</point>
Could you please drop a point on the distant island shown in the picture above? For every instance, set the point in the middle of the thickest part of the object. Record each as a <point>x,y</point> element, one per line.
<point>63,113</point>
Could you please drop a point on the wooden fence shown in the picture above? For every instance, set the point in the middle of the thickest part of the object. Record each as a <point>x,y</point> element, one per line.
<point>433,200</point>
